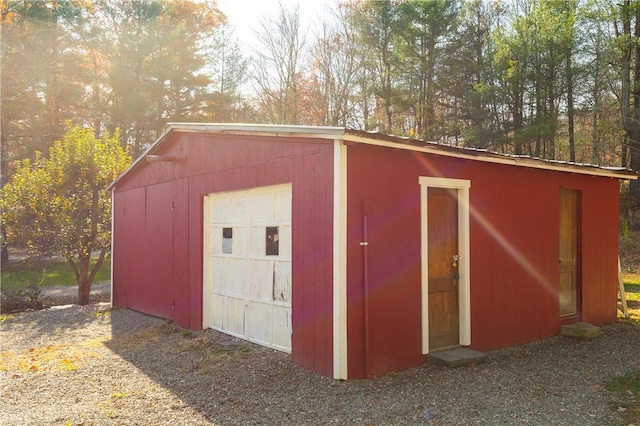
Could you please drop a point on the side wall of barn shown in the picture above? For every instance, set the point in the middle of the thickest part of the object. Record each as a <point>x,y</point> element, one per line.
<point>514,244</point>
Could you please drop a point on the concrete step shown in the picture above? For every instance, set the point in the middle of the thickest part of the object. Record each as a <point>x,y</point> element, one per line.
<point>581,330</point>
<point>456,357</point>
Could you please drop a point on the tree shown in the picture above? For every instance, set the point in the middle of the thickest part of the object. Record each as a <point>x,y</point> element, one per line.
<point>41,81</point>
<point>59,204</point>
<point>277,70</point>
<point>471,78</point>
<point>228,68</point>
<point>423,27</point>
<point>378,26</point>
<point>154,58</point>
<point>337,66</point>
<point>600,109</point>
<point>627,35</point>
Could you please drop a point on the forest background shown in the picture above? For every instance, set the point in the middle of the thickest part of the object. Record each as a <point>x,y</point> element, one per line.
<point>557,79</point>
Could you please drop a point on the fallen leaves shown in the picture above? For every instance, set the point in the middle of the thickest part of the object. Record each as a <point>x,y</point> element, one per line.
<point>60,357</point>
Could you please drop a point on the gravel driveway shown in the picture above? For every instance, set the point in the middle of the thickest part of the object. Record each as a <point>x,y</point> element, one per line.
<point>94,366</point>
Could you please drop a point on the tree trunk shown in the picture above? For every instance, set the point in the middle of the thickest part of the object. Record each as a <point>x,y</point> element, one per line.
<point>570,107</point>
<point>84,291</point>
<point>630,92</point>
<point>4,256</point>
<point>84,276</point>
<point>634,163</point>
<point>84,285</point>
<point>634,142</point>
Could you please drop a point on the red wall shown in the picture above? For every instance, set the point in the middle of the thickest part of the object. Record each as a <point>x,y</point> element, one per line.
<point>158,229</point>
<point>514,228</point>
<point>149,251</point>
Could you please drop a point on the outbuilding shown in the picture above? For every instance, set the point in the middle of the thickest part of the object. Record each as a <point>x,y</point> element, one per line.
<point>359,253</point>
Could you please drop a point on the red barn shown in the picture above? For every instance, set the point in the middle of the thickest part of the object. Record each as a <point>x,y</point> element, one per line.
<point>358,252</point>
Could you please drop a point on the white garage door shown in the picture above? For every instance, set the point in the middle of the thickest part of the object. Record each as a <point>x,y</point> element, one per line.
<point>247,265</point>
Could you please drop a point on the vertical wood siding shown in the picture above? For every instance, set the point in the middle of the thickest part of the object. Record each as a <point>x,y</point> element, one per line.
<point>128,243</point>
<point>171,240</point>
<point>514,227</point>
<point>150,250</point>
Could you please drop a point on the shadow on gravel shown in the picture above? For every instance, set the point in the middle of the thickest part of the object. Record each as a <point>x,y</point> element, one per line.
<point>229,381</point>
<point>56,319</point>
<point>225,379</point>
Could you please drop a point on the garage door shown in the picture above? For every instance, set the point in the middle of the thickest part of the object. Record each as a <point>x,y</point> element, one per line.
<point>247,265</point>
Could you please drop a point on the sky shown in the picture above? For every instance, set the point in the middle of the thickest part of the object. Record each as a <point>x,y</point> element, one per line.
<point>245,15</point>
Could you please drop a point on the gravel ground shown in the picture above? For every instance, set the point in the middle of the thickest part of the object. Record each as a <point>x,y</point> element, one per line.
<point>95,366</point>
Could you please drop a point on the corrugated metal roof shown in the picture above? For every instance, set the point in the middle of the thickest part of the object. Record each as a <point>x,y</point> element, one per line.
<point>488,156</point>
<point>375,138</point>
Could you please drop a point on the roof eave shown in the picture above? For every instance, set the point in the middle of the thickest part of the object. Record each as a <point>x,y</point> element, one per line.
<point>272,130</point>
<point>141,158</point>
<point>487,156</point>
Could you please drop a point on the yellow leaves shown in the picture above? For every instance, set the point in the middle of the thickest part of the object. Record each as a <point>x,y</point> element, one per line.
<point>54,202</point>
<point>60,357</point>
<point>69,365</point>
<point>119,395</point>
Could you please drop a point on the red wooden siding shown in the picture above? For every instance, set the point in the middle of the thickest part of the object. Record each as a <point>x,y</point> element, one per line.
<point>215,163</point>
<point>392,203</point>
<point>514,223</point>
<point>599,245</point>
<point>128,243</point>
<point>150,251</point>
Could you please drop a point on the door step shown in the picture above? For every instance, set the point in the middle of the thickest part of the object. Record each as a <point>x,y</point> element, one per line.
<point>581,330</point>
<point>456,357</point>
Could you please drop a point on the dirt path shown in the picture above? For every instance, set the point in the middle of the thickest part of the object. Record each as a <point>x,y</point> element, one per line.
<point>68,294</point>
<point>56,291</point>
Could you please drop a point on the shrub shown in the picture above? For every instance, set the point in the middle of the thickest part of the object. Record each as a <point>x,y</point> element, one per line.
<point>20,299</point>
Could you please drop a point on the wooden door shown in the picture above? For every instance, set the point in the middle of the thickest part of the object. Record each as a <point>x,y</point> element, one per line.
<point>569,291</point>
<point>442,237</point>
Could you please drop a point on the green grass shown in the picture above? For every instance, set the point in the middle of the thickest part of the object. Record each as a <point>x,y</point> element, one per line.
<point>626,390</point>
<point>45,273</point>
<point>632,289</point>
<point>632,279</point>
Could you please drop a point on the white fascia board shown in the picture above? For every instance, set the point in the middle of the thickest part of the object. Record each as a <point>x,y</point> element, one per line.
<point>273,130</point>
<point>531,163</point>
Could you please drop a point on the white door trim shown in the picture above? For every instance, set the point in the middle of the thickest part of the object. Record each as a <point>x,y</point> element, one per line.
<point>339,260</point>
<point>461,186</point>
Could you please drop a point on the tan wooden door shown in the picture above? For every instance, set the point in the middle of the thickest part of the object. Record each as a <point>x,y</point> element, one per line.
<point>442,235</point>
<point>569,290</point>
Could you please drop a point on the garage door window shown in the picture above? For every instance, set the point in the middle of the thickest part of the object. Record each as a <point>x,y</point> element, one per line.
<point>273,240</point>
<point>227,240</point>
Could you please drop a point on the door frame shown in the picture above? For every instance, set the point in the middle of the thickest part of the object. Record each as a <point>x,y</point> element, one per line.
<point>461,187</point>
<point>571,318</point>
